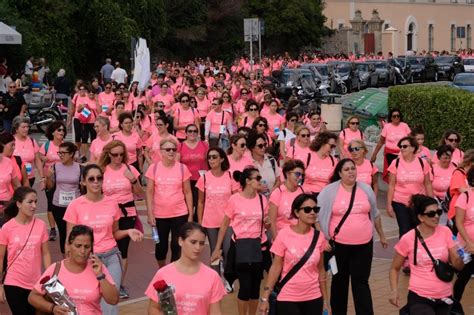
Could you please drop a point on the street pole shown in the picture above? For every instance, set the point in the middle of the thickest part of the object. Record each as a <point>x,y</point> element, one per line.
<point>251,49</point>
<point>259,43</point>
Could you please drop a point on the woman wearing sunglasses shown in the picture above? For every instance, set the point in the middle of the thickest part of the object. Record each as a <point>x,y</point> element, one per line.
<point>367,171</point>
<point>121,183</point>
<point>427,294</point>
<point>114,118</point>
<point>184,115</point>
<point>106,100</point>
<point>247,214</point>
<point>298,149</point>
<point>251,113</point>
<point>152,145</point>
<point>102,214</point>
<point>169,199</point>
<point>453,139</point>
<point>352,240</point>
<point>392,132</point>
<point>348,134</point>
<point>306,292</point>
<point>131,139</point>
<point>260,125</point>
<point>192,153</point>
<point>442,171</point>
<point>238,155</point>
<point>101,127</point>
<point>219,125</point>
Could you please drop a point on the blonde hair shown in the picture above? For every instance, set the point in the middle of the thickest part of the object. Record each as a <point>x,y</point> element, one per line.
<point>105,160</point>
<point>301,128</point>
<point>468,158</point>
<point>170,140</point>
<point>350,118</point>
<point>359,143</point>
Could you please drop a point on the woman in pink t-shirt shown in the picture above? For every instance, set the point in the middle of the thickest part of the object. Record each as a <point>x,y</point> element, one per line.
<point>260,125</point>
<point>353,239</point>
<point>85,114</point>
<point>276,122</point>
<point>197,288</point>
<point>9,176</point>
<point>408,175</point>
<point>251,113</point>
<point>121,183</point>
<point>82,274</point>
<point>8,142</point>
<point>247,213</point>
<point>184,115</point>
<point>203,103</point>
<point>427,294</point>
<point>238,159</point>
<point>101,127</point>
<point>114,122</point>
<point>131,139</point>
<point>442,171</point>
<point>423,152</point>
<point>298,149</point>
<point>152,145</point>
<point>169,199</point>
<point>219,126</point>
<point>279,210</point>
<point>306,292</point>
<point>102,214</point>
<point>106,100</point>
<point>24,239</point>
<point>315,124</point>
<point>367,171</point>
<point>453,139</point>
<point>348,134</point>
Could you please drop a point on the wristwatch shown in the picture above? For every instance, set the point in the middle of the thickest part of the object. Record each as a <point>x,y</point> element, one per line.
<point>262,300</point>
<point>100,277</point>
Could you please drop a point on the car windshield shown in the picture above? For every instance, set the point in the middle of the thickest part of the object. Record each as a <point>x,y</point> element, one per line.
<point>343,68</point>
<point>469,62</point>
<point>293,78</point>
<point>321,70</point>
<point>464,80</point>
<point>416,61</point>
<point>362,67</point>
<point>380,65</point>
<point>400,61</point>
<point>444,59</point>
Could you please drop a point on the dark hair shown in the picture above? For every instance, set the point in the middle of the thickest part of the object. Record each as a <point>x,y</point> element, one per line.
<point>291,165</point>
<point>225,165</point>
<point>90,167</point>
<point>410,139</point>
<point>189,126</point>
<point>55,125</point>
<point>417,130</point>
<point>299,200</point>
<point>249,103</point>
<point>418,204</point>
<point>189,227</point>
<point>119,103</point>
<point>233,140</point>
<point>470,177</point>
<point>5,137</point>
<point>290,115</point>
<point>122,118</point>
<point>78,230</point>
<point>242,176</point>
<point>322,139</point>
<point>442,149</point>
<point>258,120</point>
<point>337,170</point>
<point>252,139</point>
<point>69,146</point>
<point>11,210</point>
<point>182,95</point>
<point>446,135</point>
<point>390,113</point>
<point>247,130</point>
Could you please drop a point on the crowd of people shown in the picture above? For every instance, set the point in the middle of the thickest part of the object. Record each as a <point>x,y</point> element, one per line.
<point>217,157</point>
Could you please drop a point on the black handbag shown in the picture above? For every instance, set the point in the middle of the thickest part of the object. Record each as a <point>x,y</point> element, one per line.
<point>272,299</point>
<point>249,250</point>
<point>444,271</point>
<point>332,241</point>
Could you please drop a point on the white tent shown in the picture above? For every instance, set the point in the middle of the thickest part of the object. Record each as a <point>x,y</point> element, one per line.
<point>8,35</point>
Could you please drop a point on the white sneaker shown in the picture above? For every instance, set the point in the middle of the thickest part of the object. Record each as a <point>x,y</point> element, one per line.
<point>228,287</point>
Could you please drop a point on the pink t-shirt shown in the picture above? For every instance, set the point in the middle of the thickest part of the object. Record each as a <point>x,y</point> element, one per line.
<point>346,136</point>
<point>24,268</point>
<point>100,216</point>
<point>282,198</point>
<point>217,119</point>
<point>167,99</point>
<point>27,150</point>
<point>441,177</point>
<point>97,147</point>
<point>318,172</point>
<point>410,179</point>
<point>52,155</point>
<point>91,104</point>
<point>203,106</point>
<point>83,288</point>
<point>423,280</point>
<point>194,159</point>
<point>117,187</point>
<point>6,176</point>
<point>239,165</point>
<point>168,199</point>
<point>462,203</point>
<point>182,118</point>
<point>217,192</point>
<point>246,121</point>
<point>106,100</point>
<point>153,143</point>
<point>274,121</point>
<point>357,229</point>
<point>304,285</point>
<point>393,134</point>
<point>424,153</point>
<point>457,157</point>
<point>194,293</point>
<point>296,152</point>
<point>133,142</point>
<point>246,216</point>
<point>365,171</point>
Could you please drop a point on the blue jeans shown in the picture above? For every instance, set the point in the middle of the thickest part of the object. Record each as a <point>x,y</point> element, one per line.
<point>404,219</point>
<point>7,125</point>
<point>111,260</point>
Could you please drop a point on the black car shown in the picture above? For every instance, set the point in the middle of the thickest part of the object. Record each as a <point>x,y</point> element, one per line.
<point>423,68</point>
<point>367,75</point>
<point>288,79</point>
<point>449,66</point>
<point>320,70</point>
<point>385,72</point>
<point>348,73</point>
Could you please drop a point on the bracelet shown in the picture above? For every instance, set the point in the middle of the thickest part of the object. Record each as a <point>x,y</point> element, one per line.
<point>100,277</point>
<point>263,300</point>
<point>266,289</point>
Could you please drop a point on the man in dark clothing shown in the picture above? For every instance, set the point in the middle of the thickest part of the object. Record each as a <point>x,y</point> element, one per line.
<point>12,104</point>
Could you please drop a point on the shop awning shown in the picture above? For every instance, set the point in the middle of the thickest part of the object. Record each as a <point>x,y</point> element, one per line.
<point>8,35</point>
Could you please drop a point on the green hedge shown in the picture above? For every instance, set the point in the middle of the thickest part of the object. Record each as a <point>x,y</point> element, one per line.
<point>436,108</point>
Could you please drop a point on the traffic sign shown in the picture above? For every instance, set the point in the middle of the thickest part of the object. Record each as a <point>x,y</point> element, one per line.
<point>251,29</point>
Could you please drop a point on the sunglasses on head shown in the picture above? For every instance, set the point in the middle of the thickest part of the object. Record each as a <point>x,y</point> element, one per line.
<point>354,149</point>
<point>432,214</point>
<point>169,149</point>
<point>404,146</point>
<point>309,209</point>
<point>453,140</point>
<point>262,145</point>
<point>93,179</point>
<point>116,154</point>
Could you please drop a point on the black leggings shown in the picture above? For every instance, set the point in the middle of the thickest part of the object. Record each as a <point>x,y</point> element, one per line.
<point>125,223</point>
<point>311,307</point>
<point>250,276</point>
<point>49,198</point>
<point>164,226</point>
<point>194,191</point>
<point>82,131</point>
<point>463,278</point>
<point>58,214</point>
<point>419,305</point>
<point>17,299</point>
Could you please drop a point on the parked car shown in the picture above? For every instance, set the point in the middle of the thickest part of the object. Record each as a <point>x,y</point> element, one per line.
<point>468,64</point>
<point>385,71</point>
<point>367,75</point>
<point>464,81</point>
<point>288,79</point>
<point>320,70</point>
<point>449,66</point>
<point>423,68</point>
<point>348,73</point>
<point>403,73</point>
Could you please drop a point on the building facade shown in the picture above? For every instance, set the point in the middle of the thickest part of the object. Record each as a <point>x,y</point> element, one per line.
<point>398,26</point>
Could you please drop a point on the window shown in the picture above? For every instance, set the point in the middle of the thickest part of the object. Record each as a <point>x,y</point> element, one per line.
<point>340,26</point>
<point>430,37</point>
<point>410,34</point>
<point>453,37</point>
<point>468,36</point>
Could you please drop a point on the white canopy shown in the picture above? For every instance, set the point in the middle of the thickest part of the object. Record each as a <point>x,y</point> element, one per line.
<point>8,35</point>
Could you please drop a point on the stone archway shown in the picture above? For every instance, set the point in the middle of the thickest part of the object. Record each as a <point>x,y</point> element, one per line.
<point>411,33</point>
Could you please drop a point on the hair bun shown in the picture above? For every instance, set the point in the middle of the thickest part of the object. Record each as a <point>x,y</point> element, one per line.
<point>237,175</point>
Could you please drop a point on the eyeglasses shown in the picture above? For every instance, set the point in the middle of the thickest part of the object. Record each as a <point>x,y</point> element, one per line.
<point>93,179</point>
<point>404,146</point>
<point>304,135</point>
<point>253,109</point>
<point>213,156</point>
<point>262,145</point>
<point>169,149</point>
<point>258,178</point>
<point>354,149</point>
<point>297,174</point>
<point>243,145</point>
<point>432,214</point>
<point>244,93</point>
<point>116,154</point>
<point>293,120</point>
<point>61,153</point>
<point>453,140</point>
<point>185,101</point>
<point>309,209</point>
<point>192,131</point>
<point>261,125</point>
<point>396,116</point>
<point>12,87</point>
<point>356,123</point>
<point>60,129</point>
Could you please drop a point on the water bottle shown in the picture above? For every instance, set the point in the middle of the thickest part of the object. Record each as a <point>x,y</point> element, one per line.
<point>325,312</point>
<point>154,235</point>
<point>276,130</point>
<point>465,256</point>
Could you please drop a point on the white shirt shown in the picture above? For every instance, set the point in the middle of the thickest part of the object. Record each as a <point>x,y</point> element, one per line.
<point>119,75</point>
<point>29,68</point>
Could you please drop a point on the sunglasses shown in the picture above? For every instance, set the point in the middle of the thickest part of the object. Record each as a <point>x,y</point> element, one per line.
<point>93,179</point>
<point>404,146</point>
<point>304,135</point>
<point>333,146</point>
<point>262,125</point>
<point>242,145</point>
<point>12,87</point>
<point>185,101</point>
<point>258,178</point>
<point>169,149</point>
<point>432,214</point>
<point>253,109</point>
<point>396,116</point>
<point>116,154</point>
<point>61,153</point>
<point>60,129</point>
<point>262,145</point>
<point>309,209</point>
<point>213,156</point>
<point>354,149</point>
<point>244,93</point>
<point>453,140</point>
<point>192,131</point>
<point>356,123</point>
<point>293,120</point>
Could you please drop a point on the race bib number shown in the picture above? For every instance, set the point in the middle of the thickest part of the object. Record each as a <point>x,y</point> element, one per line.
<point>65,197</point>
